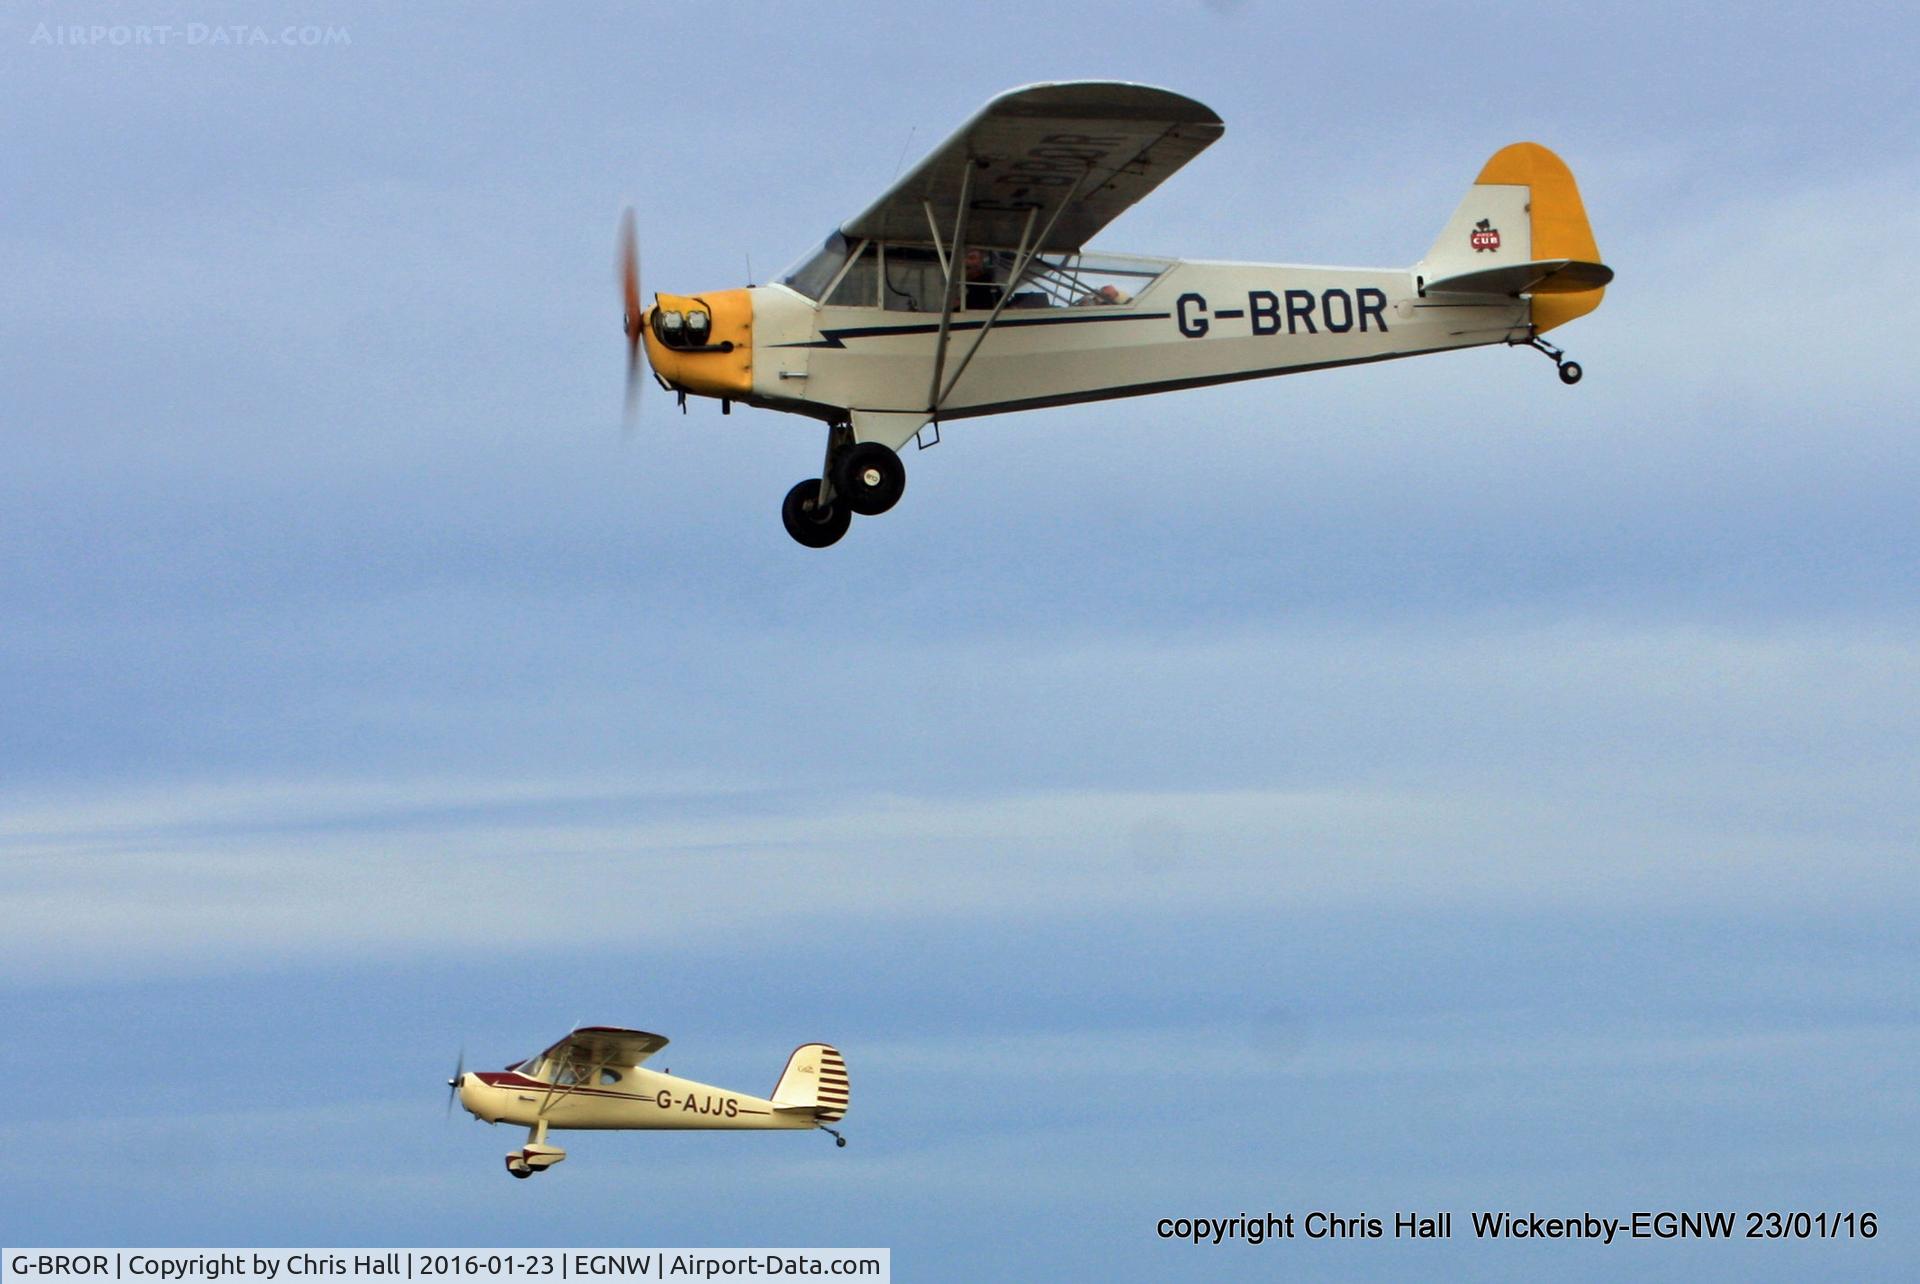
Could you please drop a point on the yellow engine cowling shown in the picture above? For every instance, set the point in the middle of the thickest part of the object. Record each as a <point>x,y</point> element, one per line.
<point>722,366</point>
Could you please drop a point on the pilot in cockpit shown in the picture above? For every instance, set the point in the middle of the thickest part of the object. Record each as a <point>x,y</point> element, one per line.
<point>983,280</point>
<point>1106,296</point>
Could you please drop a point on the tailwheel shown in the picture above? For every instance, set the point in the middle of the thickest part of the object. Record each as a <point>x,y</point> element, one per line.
<point>810,522</point>
<point>1570,371</point>
<point>870,478</point>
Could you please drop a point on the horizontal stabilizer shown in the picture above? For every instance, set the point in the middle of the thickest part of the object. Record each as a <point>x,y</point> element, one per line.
<point>1541,276</point>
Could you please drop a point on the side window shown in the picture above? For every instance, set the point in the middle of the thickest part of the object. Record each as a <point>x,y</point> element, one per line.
<point>860,287</point>
<point>912,280</point>
<point>608,1077</point>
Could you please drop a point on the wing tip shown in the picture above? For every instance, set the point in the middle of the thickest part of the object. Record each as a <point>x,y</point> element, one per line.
<point>1101,95</point>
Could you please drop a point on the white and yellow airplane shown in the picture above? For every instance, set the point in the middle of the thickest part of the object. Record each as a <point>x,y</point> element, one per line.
<point>596,1078</point>
<point>965,290</point>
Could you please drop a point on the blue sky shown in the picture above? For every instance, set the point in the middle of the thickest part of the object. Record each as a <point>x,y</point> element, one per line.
<point>1420,786</point>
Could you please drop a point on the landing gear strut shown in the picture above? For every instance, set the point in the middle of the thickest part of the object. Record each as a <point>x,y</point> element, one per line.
<point>1570,371</point>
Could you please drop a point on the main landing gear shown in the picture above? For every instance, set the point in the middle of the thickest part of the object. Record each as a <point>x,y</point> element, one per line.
<point>871,477</point>
<point>1570,371</point>
<point>536,1156</point>
<point>814,515</point>
<point>860,477</point>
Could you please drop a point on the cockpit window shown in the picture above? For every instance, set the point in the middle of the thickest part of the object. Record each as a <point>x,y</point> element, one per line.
<point>912,279</point>
<point>909,278</point>
<point>1085,280</point>
<point>609,1077</point>
<point>814,273</point>
<point>859,285</point>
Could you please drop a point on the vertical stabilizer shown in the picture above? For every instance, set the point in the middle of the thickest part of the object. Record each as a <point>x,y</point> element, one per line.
<point>1524,207</point>
<point>815,1076</point>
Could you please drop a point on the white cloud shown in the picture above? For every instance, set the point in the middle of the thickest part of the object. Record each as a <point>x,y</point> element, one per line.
<point>1553,766</point>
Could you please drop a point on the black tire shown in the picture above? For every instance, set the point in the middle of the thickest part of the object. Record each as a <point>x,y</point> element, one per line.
<point>521,1172</point>
<point>839,1141</point>
<point>1570,372</point>
<point>809,524</point>
<point>870,478</point>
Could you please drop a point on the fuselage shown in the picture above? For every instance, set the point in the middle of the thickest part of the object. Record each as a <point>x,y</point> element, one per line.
<point>1189,325</point>
<point>634,1097</point>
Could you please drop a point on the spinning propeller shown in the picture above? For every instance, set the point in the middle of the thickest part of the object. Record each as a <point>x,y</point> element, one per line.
<point>453,1084</point>
<point>631,318</point>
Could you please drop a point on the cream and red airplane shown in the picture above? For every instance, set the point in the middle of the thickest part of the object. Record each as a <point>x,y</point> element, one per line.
<point>966,290</point>
<point>596,1078</point>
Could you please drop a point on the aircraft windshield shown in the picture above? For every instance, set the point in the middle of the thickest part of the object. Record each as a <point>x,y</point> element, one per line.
<point>815,272</point>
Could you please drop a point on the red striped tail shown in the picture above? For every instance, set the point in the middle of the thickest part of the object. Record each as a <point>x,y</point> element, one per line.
<point>816,1077</point>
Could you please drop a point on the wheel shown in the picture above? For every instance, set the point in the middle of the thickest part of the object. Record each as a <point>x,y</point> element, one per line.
<point>1569,372</point>
<point>839,1141</point>
<point>810,524</point>
<point>870,478</point>
<point>518,1169</point>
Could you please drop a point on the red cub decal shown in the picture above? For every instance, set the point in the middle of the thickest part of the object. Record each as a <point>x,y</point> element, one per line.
<point>1485,236</point>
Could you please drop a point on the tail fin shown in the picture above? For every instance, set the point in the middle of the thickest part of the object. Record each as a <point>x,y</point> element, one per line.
<point>815,1077</point>
<point>1523,209</point>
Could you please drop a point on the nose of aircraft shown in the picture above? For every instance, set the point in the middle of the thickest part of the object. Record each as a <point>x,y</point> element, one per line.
<point>702,343</point>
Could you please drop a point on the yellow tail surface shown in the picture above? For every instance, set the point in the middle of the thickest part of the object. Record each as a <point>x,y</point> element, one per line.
<point>1560,228</point>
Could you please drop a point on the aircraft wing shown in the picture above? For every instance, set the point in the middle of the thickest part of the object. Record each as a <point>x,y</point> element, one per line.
<point>605,1045</point>
<point>1098,145</point>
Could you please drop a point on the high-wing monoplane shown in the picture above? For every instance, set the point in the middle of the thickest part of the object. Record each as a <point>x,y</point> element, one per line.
<point>596,1078</point>
<point>966,290</point>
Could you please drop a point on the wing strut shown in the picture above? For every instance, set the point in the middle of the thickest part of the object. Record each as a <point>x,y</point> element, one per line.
<point>579,1068</point>
<point>933,227</point>
<point>1028,248</point>
<point>953,267</point>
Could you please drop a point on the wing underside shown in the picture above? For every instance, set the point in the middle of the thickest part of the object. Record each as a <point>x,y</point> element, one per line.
<point>601,1045</point>
<point>1094,147</point>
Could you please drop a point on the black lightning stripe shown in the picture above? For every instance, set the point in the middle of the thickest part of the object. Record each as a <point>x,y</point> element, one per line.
<point>837,338</point>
